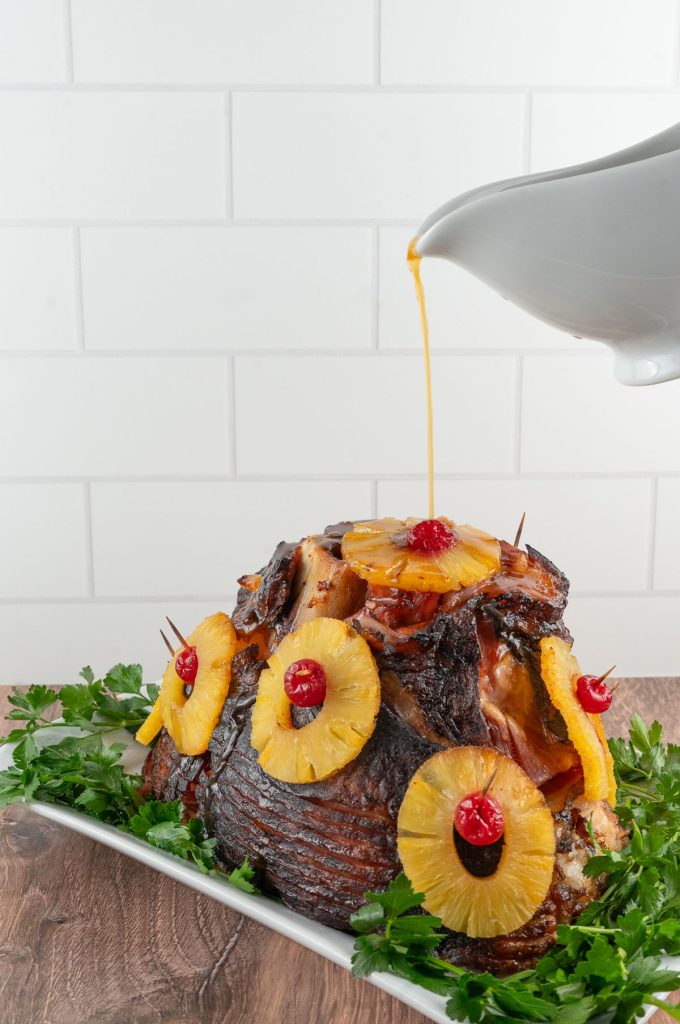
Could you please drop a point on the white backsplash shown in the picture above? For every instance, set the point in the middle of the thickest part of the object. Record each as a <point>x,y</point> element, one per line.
<point>208,337</point>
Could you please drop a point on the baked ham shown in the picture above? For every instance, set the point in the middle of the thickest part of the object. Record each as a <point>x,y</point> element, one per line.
<point>459,668</point>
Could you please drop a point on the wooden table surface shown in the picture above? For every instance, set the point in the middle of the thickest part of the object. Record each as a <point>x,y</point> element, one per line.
<point>88,936</point>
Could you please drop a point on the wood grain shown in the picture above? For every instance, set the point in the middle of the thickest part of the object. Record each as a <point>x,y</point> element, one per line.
<point>88,936</point>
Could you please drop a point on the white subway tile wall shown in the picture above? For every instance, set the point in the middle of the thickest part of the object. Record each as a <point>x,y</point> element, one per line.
<point>32,41</point>
<point>337,410</point>
<point>368,154</point>
<point>227,287</point>
<point>198,538</point>
<point>527,43</point>
<point>44,548</point>
<point>94,417</point>
<point>208,335</point>
<point>570,128</point>
<point>39,300</point>
<point>83,155</point>
<point>259,42</point>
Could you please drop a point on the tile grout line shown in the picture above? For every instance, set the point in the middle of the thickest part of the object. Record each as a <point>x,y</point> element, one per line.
<point>519,390</point>
<point>229,162</point>
<point>351,223</point>
<point>119,599</point>
<point>79,296</point>
<point>128,599</point>
<point>346,89</point>
<point>375,289</point>
<point>528,129</point>
<point>312,477</point>
<point>651,545</point>
<point>304,353</point>
<point>68,43</point>
<point>232,415</point>
<point>377,42</point>
<point>89,539</point>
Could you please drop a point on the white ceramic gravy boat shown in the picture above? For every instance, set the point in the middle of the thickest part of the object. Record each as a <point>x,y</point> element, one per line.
<point>592,249</point>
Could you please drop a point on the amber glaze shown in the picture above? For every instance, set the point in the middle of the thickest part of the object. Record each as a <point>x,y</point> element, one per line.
<point>413,261</point>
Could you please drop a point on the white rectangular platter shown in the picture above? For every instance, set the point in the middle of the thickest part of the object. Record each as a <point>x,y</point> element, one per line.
<point>334,945</point>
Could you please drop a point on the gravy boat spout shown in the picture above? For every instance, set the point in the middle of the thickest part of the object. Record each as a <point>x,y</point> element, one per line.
<point>592,249</point>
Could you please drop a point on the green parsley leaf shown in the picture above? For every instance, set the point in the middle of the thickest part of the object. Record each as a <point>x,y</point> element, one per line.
<point>153,690</point>
<point>370,954</point>
<point>243,877</point>
<point>399,898</point>
<point>368,918</point>
<point>124,679</point>
<point>29,706</point>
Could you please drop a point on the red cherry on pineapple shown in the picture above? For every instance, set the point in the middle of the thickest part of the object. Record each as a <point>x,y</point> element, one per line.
<point>430,537</point>
<point>479,819</point>
<point>593,693</point>
<point>305,683</point>
<point>186,665</point>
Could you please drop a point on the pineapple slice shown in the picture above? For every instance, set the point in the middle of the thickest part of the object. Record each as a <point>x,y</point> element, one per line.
<point>380,553</point>
<point>151,726</point>
<point>560,670</point>
<point>347,718</point>
<point>479,906</point>
<point>191,720</point>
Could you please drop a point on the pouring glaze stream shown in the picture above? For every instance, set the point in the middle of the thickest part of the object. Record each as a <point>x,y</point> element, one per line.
<point>592,249</point>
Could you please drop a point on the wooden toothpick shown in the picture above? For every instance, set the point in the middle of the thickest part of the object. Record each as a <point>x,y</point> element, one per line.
<point>177,633</point>
<point>167,642</point>
<point>518,535</point>
<point>489,783</point>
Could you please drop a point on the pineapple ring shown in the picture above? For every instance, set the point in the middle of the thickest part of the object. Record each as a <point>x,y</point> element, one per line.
<point>346,720</point>
<point>371,552</point>
<point>190,720</point>
<point>151,725</point>
<point>560,670</point>
<point>498,903</point>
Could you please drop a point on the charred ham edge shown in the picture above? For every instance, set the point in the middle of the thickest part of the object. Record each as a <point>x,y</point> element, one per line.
<point>169,775</point>
<point>437,667</point>
<point>515,710</point>
<point>245,673</point>
<point>522,719</point>
<point>323,585</point>
<point>507,705</point>
<point>262,607</point>
<point>302,581</point>
<point>527,576</point>
<point>320,845</point>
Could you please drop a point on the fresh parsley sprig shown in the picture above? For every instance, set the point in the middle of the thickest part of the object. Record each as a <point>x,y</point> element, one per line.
<point>162,825</point>
<point>97,705</point>
<point>85,772</point>
<point>607,965</point>
<point>392,938</point>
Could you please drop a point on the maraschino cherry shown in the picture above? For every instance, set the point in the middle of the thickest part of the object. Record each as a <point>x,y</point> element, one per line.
<point>186,665</point>
<point>430,537</point>
<point>479,819</point>
<point>594,695</point>
<point>186,662</point>
<point>305,683</point>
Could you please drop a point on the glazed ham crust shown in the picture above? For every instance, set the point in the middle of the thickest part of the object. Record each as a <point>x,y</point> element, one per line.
<point>456,669</point>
